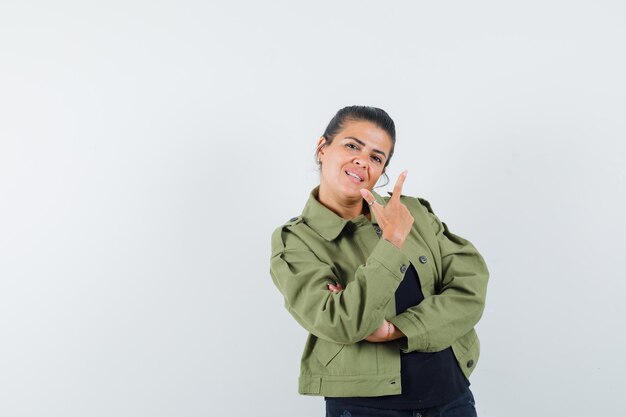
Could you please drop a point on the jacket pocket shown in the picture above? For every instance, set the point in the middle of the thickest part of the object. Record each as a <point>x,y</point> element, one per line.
<point>325,351</point>
<point>347,360</point>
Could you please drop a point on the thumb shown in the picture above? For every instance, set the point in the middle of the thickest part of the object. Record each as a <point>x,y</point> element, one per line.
<point>367,195</point>
<point>370,199</point>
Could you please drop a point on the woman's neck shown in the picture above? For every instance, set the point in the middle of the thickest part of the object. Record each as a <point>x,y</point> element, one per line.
<point>345,208</point>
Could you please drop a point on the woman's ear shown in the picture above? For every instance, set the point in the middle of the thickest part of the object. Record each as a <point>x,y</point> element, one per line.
<point>321,142</point>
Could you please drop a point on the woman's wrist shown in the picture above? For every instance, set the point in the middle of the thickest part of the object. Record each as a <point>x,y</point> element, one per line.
<point>393,332</point>
<point>397,242</point>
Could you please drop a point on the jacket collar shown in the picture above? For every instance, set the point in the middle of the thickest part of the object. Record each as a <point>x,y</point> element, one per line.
<point>325,222</point>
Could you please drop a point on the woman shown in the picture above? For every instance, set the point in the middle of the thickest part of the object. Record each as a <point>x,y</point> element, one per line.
<point>389,295</point>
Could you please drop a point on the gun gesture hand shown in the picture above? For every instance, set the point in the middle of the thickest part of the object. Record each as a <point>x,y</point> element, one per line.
<point>394,218</point>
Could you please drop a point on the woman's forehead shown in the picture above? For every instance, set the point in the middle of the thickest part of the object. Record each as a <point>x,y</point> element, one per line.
<point>367,133</point>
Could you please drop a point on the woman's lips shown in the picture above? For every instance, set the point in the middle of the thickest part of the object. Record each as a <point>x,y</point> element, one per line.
<point>357,179</point>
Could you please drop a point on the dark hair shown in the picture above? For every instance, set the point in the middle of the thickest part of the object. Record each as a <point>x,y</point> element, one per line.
<point>374,115</point>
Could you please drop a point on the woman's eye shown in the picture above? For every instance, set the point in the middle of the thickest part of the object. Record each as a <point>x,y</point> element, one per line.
<point>377,159</point>
<point>351,146</point>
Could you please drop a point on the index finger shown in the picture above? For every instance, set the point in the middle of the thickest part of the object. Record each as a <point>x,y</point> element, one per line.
<point>397,189</point>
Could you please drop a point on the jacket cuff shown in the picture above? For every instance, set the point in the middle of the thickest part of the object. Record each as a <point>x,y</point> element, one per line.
<point>391,257</point>
<point>415,332</point>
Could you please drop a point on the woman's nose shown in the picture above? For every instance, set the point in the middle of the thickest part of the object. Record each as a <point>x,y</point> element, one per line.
<point>360,162</point>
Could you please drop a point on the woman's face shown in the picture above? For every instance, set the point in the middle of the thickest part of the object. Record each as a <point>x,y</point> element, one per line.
<point>354,160</point>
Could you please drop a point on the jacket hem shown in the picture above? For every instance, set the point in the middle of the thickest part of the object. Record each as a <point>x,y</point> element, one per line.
<point>350,386</point>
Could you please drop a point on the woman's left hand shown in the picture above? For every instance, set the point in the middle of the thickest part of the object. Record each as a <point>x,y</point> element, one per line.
<point>336,287</point>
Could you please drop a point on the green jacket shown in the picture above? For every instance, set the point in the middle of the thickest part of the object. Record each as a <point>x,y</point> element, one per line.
<point>319,247</point>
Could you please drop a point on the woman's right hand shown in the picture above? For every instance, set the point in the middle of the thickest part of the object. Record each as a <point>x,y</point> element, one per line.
<point>394,218</point>
<point>385,333</point>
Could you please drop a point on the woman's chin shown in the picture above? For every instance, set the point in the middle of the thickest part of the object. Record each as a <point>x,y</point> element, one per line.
<point>353,193</point>
<point>348,190</point>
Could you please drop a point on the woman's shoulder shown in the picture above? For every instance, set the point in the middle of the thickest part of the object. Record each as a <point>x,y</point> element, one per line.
<point>413,203</point>
<point>289,235</point>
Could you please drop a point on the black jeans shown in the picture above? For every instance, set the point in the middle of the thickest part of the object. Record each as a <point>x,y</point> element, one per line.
<point>462,406</point>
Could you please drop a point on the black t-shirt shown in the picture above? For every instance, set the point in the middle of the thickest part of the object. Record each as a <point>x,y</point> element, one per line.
<point>428,379</point>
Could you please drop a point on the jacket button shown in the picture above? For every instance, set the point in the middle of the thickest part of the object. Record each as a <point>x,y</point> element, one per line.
<point>470,363</point>
<point>423,259</point>
<point>378,231</point>
<point>403,269</point>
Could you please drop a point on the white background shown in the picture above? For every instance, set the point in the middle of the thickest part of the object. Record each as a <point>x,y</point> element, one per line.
<point>149,148</point>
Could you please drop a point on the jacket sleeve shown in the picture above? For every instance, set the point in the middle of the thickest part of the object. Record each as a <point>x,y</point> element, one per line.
<point>345,317</point>
<point>439,320</point>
